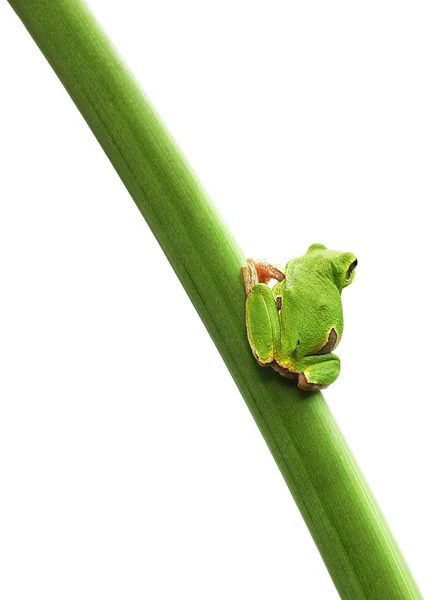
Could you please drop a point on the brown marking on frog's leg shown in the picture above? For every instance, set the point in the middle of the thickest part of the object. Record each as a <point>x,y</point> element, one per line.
<point>283,371</point>
<point>267,271</point>
<point>307,386</point>
<point>330,344</point>
<point>250,276</point>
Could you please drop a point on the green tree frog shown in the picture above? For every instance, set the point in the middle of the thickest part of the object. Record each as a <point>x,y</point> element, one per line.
<point>295,325</point>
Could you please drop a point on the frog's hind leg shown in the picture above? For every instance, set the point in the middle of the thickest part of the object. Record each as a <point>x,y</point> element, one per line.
<point>318,372</point>
<point>263,324</point>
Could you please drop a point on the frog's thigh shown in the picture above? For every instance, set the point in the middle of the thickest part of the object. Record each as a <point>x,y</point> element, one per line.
<point>318,372</point>
<point>263,324</point>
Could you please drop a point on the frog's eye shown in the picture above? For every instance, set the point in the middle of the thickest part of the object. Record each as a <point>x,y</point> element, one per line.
<point>350,269</point>
<point>278,302</point>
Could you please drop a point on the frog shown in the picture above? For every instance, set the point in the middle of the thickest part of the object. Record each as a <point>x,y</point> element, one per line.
<point>295,325</point>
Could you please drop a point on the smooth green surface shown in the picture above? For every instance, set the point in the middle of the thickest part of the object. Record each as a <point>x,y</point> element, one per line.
<point>299,429</point>
<point>300,335</point>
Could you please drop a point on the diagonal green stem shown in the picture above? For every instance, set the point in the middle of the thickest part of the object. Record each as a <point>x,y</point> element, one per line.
<point>339,509</point>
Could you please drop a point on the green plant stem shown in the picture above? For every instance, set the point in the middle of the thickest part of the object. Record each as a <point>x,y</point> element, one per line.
<point>342,516</point>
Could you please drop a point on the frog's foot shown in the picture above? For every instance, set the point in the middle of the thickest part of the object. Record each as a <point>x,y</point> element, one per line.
<point>318,376</point>
<point>267,271</point>
<point>250,276</point>
<point>283,371</point>
<point>260,272</point>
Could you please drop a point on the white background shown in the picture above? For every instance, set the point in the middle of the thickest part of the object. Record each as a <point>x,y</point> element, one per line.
<point>129,464</point>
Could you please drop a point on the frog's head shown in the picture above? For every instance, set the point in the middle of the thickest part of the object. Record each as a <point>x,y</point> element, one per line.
<point>338,266</point>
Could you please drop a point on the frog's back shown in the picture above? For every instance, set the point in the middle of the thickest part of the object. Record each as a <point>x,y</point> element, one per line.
<point>313,309</point>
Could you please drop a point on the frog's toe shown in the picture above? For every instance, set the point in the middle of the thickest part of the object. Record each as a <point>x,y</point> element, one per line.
<point>249,274</point>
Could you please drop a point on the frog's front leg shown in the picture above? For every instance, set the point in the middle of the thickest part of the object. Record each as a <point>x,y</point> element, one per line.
<point>260,271</point>
<point>317,372</point>
<point>263,324</point>
<point>267,271</point>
